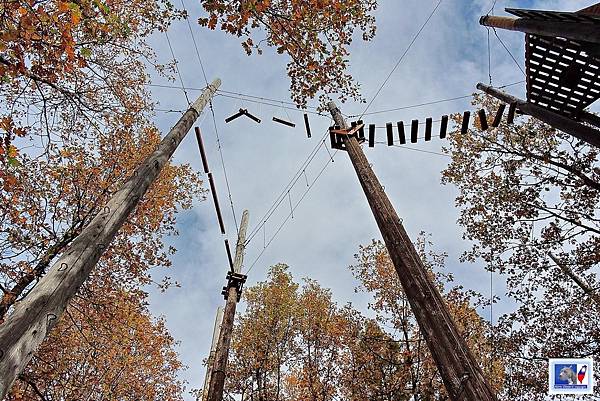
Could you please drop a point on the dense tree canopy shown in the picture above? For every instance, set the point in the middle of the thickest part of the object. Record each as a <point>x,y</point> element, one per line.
<point>294,342</point>
<point>315,35</point>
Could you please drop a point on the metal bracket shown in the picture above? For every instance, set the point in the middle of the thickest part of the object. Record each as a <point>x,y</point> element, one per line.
<point>234,280</point>
<point>337,135</point>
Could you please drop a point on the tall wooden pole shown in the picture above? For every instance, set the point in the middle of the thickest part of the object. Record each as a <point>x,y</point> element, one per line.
<point>34,317</point>
<point>211,355</point>
<point>463,379</point>
<point>217,380</point>
<point>580,131</point>
<point>586,32</point>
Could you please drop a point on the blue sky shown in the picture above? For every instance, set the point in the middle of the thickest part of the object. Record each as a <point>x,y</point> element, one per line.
<point>447,60</point>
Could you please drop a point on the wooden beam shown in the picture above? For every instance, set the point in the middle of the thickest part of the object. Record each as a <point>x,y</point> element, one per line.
<point>444,127</point>
<point>307,125</point>
<point>584,32</point>
<point>465,122</point>
<point>414,131</point>
<point>565,124</point>
<point>499,114</point>
<point>401,134</point>
<point>483,120</point>
<point>372,135</point>
<point>428,128</point>
<point>390,134</point>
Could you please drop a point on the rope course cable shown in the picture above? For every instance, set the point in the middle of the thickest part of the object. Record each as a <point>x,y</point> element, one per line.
<point>282,196</point>
<point>509,52</point>
<point>265,98</point>
<point>415,149</point>
<point>402,57</point>
<point>291,212</point>
<point>271,104</point>
<point>413,106</point>
<point>194,41</point>
<point>212,111</point>
<point>220,148</point>
<point>177,68</point>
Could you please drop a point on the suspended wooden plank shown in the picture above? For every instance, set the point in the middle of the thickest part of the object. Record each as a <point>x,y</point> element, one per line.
<point>428,126</point>
<point>465,122</point>
<point>483,120</point>
<point>202,150</point>
<point>401,134</point>
<point>443,127</point>
<point>307,125</point>
<point>361,131</point>
<point>499,114</point>
<point>390,134</point>
<point>372,135</point>
<point>414,131</point>
<point>284,122</point>
<point>252,116</point>
<point>229,254</point>
<point>236,115</point>
<point>213,190</point>
<point>511,113</point>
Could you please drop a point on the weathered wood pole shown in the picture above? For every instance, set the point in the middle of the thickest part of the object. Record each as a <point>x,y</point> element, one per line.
<point>586,32</point>
<point>34,317</point>
<point>580,131</point>
<point>462,377</point>
<point>211,355</point>
<point>217,380</point>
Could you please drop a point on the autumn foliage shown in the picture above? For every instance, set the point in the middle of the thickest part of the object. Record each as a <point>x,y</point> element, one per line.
<point>526,191</point>
<point>75,120</point>
<point>314,34</point>
<point>294,342</point>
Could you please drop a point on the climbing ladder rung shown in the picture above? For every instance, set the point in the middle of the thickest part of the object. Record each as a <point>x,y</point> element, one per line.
<point>401,134</point>
<point>428,127</point>
<point>511,113</point>
<point>499,114</point>
<point>414,131</point>
<point>390,134</point>
<point>443,127</point>
<point>371,135</point>
<point>483,120</point>
<point>465,122</point>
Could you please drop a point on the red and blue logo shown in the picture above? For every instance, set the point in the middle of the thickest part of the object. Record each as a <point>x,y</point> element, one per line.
<point>571,376</point>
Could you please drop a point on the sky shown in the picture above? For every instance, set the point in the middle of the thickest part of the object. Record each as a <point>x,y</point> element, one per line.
<point>447,60</point>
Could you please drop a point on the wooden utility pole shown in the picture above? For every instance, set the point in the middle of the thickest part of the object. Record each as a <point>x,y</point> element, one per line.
<point>232,293</point>
<point>463,379</point>
<point>211,355</point>
<point>580,131</point>
<point>586,32</point>
<point>34,317</point>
